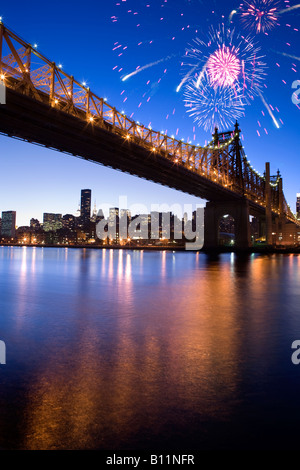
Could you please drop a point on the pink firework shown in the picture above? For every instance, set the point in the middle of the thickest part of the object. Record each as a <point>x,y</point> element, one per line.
<point>260,15</point>
<point>223,67</point>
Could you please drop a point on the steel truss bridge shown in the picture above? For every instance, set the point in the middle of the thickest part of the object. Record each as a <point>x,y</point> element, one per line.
<point>46,106</point>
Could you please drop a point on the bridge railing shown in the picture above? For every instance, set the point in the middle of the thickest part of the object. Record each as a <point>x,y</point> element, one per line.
<point>25,69</point>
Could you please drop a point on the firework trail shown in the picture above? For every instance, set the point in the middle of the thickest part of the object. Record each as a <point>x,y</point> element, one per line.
<point>190,73</point>
<point>287,10</point>
<point>185,78</point>
<point>269,110</point>
<point>234,12</point>
<point>284,54</point>
<point>147,66</point>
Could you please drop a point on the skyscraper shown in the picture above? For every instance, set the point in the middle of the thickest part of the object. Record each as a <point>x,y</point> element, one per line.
<point>85,209</point>
<point>8,227</point>
<point>114,222</point>
<point>298,206</point>
<point>51,222</point>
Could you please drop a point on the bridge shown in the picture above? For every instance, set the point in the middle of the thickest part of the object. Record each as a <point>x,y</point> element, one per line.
<point>46,106</point>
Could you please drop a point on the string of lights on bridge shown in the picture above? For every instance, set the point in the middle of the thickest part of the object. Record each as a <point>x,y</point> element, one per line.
<point>210,145</point>
<point>135,128</point>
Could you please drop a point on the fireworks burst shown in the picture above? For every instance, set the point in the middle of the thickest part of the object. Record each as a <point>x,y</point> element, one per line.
<point>221,74</point>
<point>230,60</point>
<point>227,72</point>
<point>223,67</point>
<point>212,107</point>
<point>260,15</point>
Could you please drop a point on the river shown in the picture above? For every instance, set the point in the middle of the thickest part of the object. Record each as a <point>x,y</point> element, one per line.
<point>119,349</point>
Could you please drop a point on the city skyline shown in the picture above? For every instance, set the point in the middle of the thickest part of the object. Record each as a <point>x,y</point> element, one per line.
<point>105,211</point>
<point>57,177</point>
<point>118,227</point>
<point>105,208</point>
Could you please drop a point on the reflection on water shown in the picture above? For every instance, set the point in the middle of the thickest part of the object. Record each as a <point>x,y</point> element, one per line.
<point>113,349</point>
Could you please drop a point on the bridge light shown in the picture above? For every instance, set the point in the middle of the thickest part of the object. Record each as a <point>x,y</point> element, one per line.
<point>91,119</point>
<point>55,101</point>
<point>84,83</point>
<point>2,77</point>
<point>35,46</point>
<point>127,136</point>
<point>153,149</point>
<point>59,66</point>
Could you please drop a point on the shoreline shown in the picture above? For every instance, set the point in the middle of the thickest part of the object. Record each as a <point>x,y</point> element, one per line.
<point>219,250</point>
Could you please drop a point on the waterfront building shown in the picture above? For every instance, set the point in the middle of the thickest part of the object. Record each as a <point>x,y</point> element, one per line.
<point>85,206</point>
<point>8,225</point>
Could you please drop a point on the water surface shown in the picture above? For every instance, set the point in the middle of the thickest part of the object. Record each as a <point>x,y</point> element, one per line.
<point>116,349</point>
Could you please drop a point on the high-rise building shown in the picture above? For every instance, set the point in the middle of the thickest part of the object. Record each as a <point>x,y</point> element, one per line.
<point>34,224</point>
<point>50,217</point>
<point>298,205</point>
<point>94,215</point>
<point>69,221</point>
<point>52,222</point>
<point>114,222</point>
<point>124,220</point>
<point>85,207</point>
<point>8,226</point>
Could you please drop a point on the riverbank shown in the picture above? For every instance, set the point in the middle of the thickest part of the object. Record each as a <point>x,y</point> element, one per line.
<point>221,249</point>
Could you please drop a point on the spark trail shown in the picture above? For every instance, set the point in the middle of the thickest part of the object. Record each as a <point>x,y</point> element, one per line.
<point>147,66</point>
<point>269,110</point>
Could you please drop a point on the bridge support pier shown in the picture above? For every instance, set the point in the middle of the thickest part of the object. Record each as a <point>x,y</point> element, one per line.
<point>268,207</point>
<point>214,211</point>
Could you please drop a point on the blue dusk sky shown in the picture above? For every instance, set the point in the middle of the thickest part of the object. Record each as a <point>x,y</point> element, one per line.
<point>100,42</point>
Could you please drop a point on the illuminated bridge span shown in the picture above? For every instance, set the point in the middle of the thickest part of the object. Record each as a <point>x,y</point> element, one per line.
<point>46,106</point>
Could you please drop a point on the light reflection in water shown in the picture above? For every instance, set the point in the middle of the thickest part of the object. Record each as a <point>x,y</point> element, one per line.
<point>116,358</point>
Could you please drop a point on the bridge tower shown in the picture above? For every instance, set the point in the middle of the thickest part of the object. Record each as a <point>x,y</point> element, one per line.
<point>238,209</point>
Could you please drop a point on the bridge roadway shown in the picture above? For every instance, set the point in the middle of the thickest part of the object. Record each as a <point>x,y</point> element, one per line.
<point>37,122</point>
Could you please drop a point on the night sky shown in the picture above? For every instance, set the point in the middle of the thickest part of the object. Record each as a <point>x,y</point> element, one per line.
<point>100,42</point>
